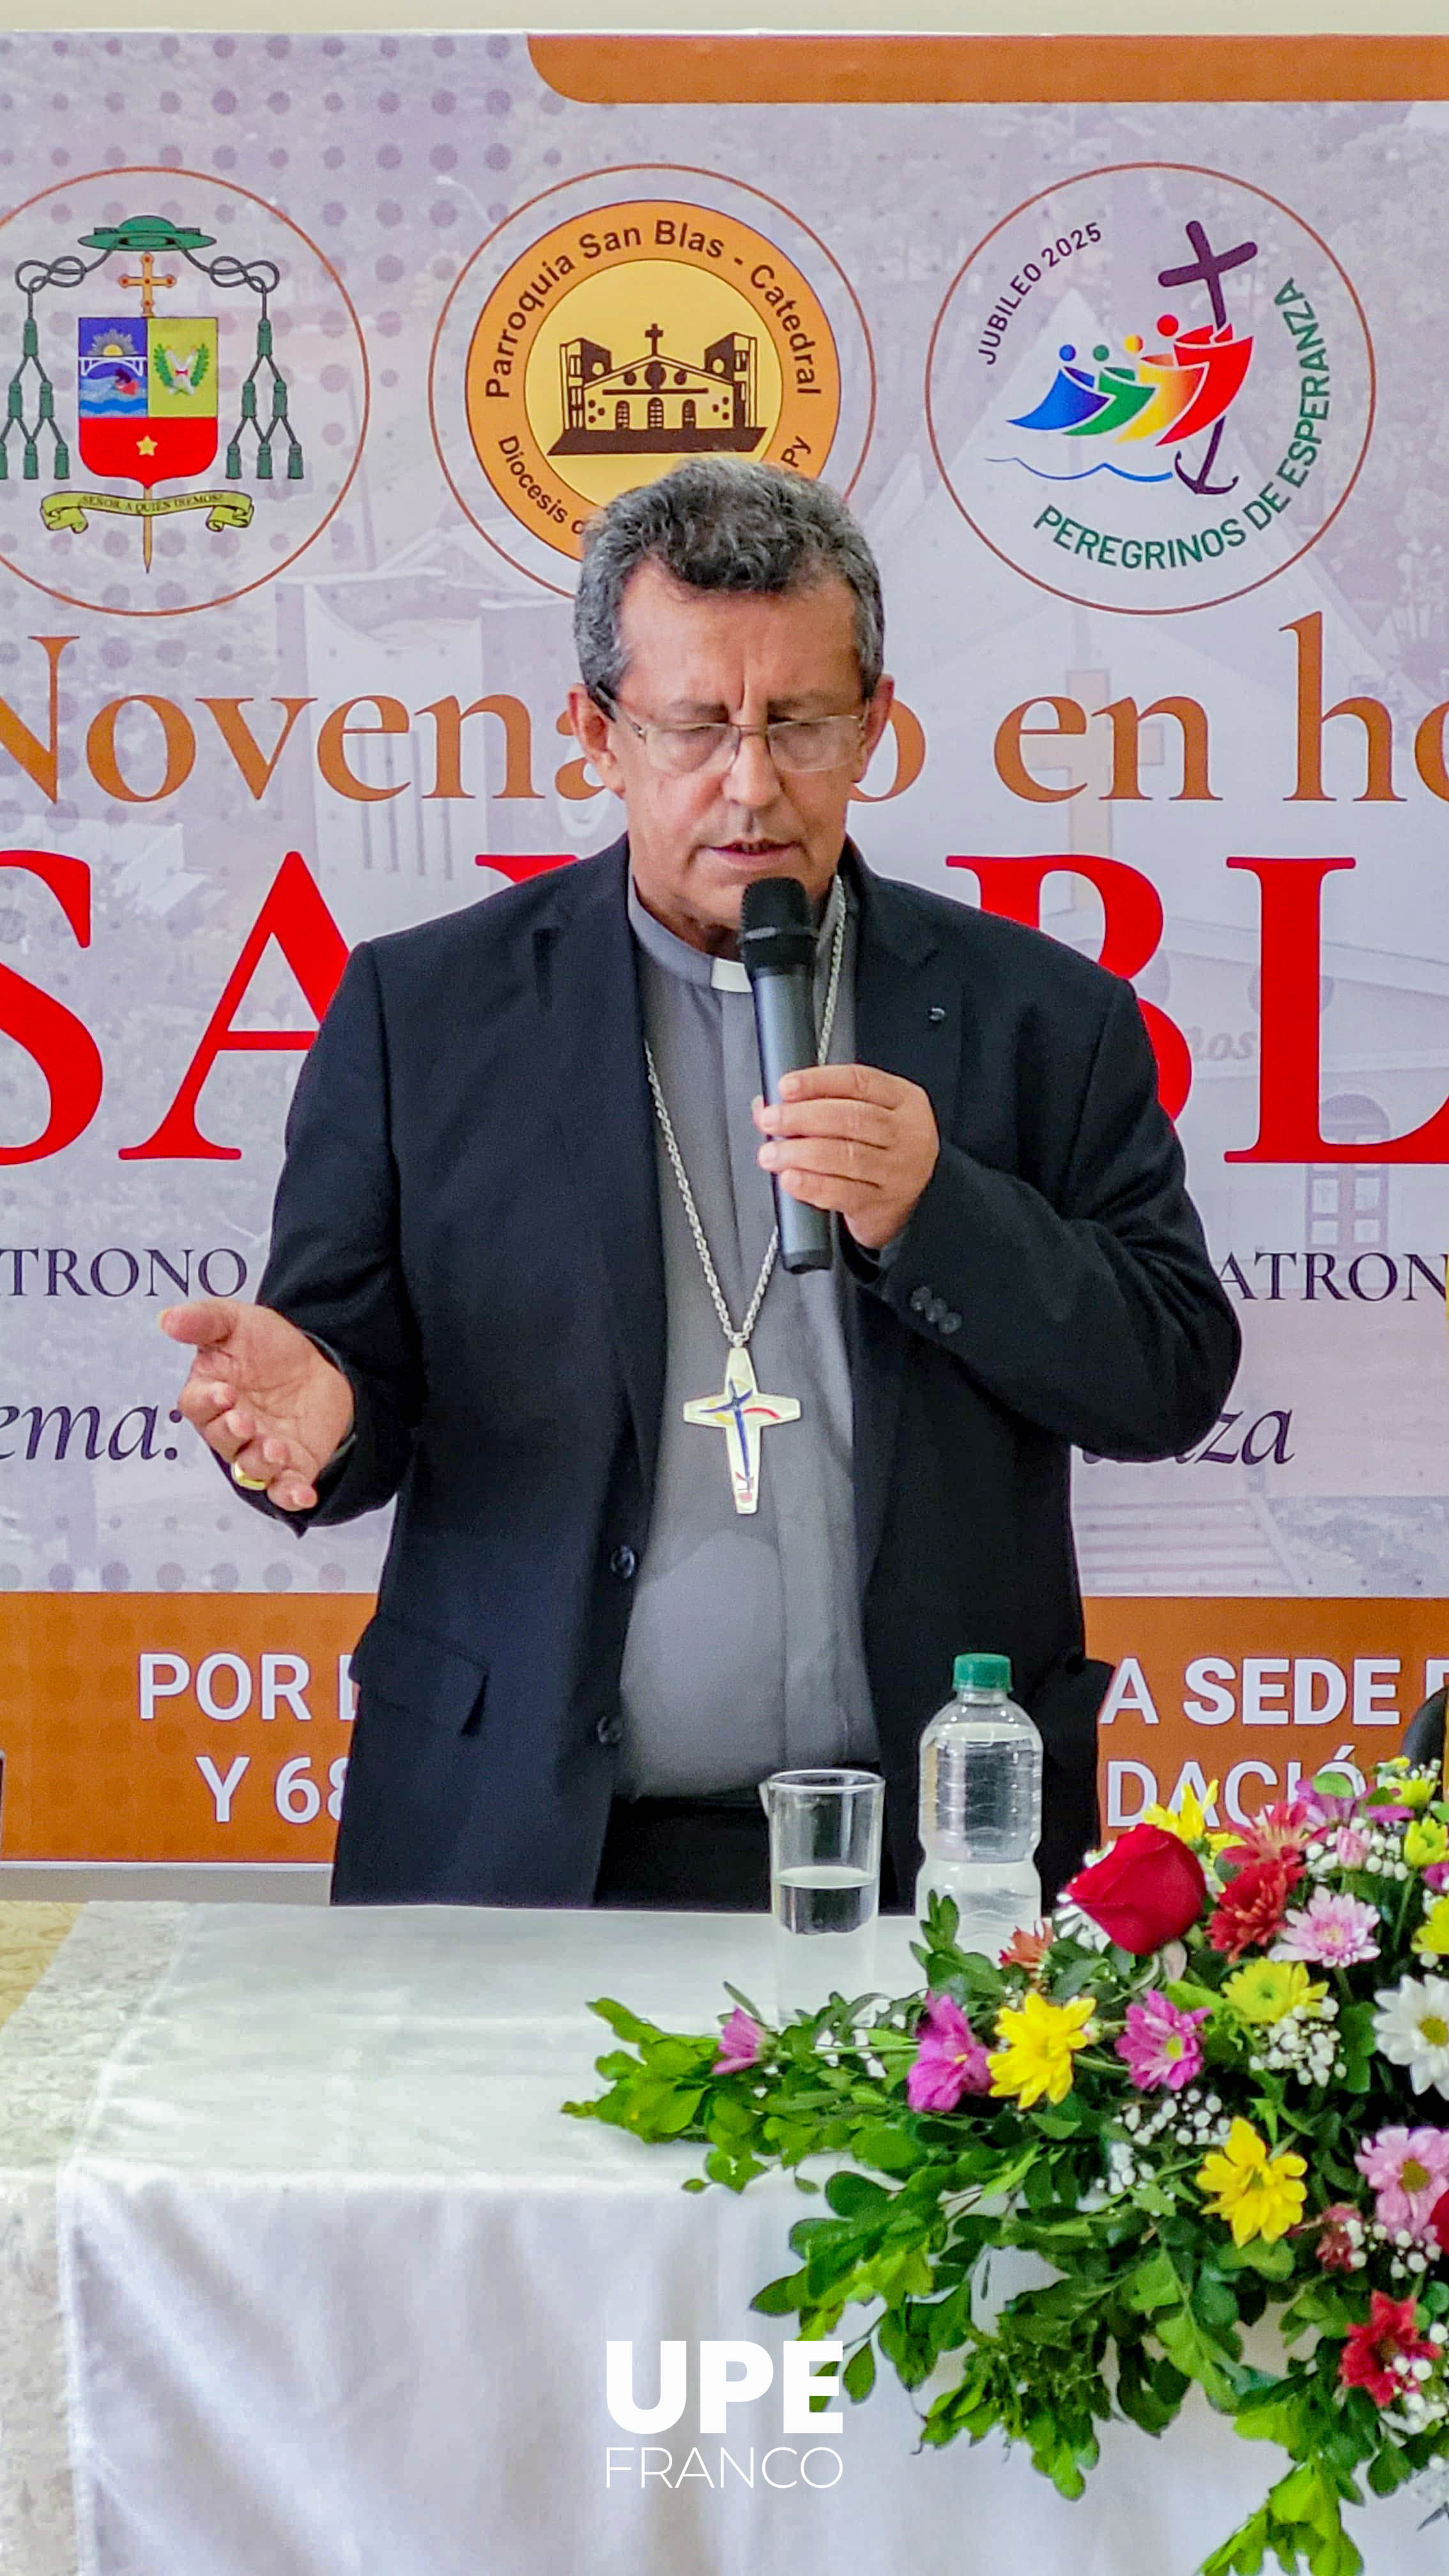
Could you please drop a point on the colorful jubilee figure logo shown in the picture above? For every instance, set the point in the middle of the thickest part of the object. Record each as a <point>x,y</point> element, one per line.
<point>1150,388</point>
<point>629,319</point>
<point>211,379</point>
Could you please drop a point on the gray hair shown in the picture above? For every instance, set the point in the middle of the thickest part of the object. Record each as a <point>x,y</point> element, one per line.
<point>719,524</point>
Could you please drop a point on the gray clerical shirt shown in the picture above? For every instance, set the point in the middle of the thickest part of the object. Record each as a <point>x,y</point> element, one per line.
<point>744,1651</point>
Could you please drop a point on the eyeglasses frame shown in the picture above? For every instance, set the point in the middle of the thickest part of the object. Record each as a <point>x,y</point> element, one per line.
<point>616,713</point>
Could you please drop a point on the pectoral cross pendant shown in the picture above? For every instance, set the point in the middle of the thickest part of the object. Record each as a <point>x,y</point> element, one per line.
<point>742,1414</point>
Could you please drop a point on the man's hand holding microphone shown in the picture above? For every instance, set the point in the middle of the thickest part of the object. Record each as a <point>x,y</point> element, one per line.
<point>262,1396</point>
<point>846,1138</point>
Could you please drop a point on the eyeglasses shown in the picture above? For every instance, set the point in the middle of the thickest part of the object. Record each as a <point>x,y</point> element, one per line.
<point>797,745</point>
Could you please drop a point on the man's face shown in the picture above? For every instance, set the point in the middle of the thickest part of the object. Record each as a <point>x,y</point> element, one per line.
<point>697,657</point>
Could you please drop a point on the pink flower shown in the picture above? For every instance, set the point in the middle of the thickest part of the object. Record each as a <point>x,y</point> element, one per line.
<point>1437,1876</point>
<point>1160,2045</point>
<point>1350,1847</point>
<point>1333,1931</point>
<point>1276,1833</point>
<point>1323,1807</point>
<point>950,2060</point>
<point>1408,2170</point>
<point>740,2043</point>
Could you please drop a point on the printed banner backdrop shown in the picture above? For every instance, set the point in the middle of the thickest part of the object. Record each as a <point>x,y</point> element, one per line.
<point>319,352</point>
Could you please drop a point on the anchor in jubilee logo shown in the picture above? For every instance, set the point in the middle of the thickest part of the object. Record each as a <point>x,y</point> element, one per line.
<point>147,392</point>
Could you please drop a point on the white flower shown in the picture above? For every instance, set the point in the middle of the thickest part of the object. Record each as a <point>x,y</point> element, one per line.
<point>1411,2029</point>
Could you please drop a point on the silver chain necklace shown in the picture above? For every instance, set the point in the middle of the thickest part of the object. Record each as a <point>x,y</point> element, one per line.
<point>737,1335</point>
<point>740,1410</point>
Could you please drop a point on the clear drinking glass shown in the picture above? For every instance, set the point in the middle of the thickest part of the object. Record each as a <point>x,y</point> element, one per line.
<point>825,1829</point>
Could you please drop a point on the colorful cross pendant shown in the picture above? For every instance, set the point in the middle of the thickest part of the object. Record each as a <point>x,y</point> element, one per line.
<point>742,1413</point>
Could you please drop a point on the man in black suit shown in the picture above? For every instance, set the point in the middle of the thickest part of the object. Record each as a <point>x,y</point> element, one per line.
<point>525,1211</point>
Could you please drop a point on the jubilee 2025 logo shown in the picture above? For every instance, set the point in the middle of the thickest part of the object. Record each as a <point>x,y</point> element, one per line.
<point>1151,388</point>
<point>625,321</point>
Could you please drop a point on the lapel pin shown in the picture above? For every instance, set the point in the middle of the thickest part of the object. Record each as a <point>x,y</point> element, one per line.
<point>936,1014</point>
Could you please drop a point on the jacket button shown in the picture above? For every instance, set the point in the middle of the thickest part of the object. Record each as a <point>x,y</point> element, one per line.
<point>624,1563</point>
<point>609,1730</point>
<point>920,1301</point>
<point>937,1311</point>
<point>951,1323</point>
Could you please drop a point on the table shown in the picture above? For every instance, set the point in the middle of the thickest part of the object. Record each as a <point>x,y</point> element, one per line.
<point>302,2274</point>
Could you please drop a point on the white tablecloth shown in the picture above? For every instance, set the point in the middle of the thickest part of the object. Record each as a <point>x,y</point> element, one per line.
<point>302,2274</point>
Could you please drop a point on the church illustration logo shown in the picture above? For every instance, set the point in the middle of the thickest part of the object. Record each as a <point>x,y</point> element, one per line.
<point>1170,467</point>
<point>155,396</point>
<point>578,359</point>
<point>654,406</point>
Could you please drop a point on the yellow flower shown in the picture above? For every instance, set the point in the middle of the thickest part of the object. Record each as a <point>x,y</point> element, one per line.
<point>1189,1821</point>
<point>1258,2194</point>
<point>1040,2039</point>
<point>1425,1842</point>
<point>1432,1937</point>
<point>1414,1793</point>
<point>1266,1989</point>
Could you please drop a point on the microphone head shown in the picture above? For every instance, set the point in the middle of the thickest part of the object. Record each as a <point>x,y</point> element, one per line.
<point>777,927</point>
<point>776,903</point>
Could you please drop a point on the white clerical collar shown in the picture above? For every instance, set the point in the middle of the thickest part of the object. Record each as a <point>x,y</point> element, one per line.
<point>719,974</point>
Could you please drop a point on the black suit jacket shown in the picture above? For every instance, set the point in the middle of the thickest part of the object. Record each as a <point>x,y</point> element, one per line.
<point>468,1216</point>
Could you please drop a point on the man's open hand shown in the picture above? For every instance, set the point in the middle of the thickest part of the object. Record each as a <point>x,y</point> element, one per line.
<point>847,1137</point>
<point>261,1395</point>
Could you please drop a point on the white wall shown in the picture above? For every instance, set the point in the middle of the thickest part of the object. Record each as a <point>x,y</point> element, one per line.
<point>1021,17</point>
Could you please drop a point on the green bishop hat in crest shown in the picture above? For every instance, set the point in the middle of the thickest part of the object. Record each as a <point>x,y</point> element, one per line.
<point>147,232</point>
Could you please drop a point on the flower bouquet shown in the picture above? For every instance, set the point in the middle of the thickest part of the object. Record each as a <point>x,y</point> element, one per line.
<point>1212,2088</point>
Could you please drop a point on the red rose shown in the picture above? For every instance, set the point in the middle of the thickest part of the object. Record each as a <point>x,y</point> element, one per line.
<point>1439,2222</point>
<point>1148,1890</point>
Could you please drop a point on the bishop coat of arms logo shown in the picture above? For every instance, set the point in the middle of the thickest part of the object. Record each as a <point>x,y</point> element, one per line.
<point>147,386</point>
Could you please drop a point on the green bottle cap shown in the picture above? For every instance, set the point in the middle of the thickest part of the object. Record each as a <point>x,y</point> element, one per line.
<point>982,1672</point>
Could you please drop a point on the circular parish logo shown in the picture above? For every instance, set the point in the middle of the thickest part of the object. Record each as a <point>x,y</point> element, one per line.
<point>187,391</point>
<point>659,314</point>
<point>1150,388</point>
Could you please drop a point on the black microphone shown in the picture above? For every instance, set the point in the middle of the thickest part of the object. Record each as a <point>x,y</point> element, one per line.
<point>777,947</point>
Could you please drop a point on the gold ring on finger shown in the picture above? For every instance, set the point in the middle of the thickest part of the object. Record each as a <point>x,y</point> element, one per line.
<point>249,1484</point>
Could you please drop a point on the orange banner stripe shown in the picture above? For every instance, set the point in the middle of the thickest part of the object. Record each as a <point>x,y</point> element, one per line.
<point>921,70</point>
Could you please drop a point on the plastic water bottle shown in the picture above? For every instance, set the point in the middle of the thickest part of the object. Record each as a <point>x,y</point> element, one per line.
<point>980,1812</point>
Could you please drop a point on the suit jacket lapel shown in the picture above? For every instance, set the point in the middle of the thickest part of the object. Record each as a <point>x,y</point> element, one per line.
<point>589,991</point>
<point>907,1021</point>
<point>907,1018</point>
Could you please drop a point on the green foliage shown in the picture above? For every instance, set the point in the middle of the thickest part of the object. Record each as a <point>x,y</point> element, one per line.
<point>1149,2292</point>
<point>1300,2523</point>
